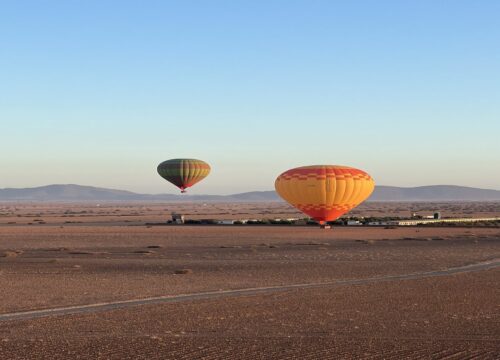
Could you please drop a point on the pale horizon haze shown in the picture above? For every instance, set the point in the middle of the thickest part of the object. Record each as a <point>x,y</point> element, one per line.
<point>100,92</point>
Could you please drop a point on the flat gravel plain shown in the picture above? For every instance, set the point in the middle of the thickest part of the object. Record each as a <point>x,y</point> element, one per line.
<point>48,266</point>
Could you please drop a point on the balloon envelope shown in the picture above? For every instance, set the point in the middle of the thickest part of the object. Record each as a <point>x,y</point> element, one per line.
<point>324,192</point>
<point>183,173</point>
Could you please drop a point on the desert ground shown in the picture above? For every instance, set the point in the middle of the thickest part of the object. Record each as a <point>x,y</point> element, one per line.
<point>119,213</point>
<point>120,288</point>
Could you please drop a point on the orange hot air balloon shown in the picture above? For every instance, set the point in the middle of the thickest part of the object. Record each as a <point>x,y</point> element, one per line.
<point>324,192</point>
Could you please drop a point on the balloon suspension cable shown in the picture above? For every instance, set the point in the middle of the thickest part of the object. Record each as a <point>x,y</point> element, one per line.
<point>183,190</point>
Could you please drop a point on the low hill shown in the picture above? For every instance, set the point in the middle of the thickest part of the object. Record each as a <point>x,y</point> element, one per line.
<point>434,193</point>
<point>382,193</point>
<point>65,193</point>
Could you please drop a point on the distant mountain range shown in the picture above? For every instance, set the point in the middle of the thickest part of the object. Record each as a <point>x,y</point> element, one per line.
<point>434,193</point>
<point>381,193</point>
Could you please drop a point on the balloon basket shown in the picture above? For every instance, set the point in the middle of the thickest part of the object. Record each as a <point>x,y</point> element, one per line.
<point>325,226</point>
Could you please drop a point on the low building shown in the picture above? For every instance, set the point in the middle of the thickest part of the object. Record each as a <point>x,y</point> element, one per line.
<point>378,223</point>
<point>354,223</point>
<point>232,222</point>
<point>438,221</point>
<point>300,222</point>
<point>177,218</point>
<point>226,222</point>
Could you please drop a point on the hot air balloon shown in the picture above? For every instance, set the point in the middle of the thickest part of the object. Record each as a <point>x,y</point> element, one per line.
<point>324,192</point>
<point>183,173</point>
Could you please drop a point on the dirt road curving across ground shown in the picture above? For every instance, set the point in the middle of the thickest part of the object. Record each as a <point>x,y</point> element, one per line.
<point>25,315</point>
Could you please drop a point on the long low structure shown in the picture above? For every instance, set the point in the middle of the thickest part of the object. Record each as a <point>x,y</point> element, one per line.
<point>432,221</point>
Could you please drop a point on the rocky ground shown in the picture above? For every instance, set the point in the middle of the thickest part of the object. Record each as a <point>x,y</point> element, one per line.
<point>47,266</point>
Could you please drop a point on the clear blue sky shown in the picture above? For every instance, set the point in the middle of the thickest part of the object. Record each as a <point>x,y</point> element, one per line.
<point>99,92</point>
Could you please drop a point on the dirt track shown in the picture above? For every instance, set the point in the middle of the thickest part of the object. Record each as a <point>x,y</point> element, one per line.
<point>392,320</point>
<point>90,308</point>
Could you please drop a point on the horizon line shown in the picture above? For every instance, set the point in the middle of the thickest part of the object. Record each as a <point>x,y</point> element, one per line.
<point>235,193</point>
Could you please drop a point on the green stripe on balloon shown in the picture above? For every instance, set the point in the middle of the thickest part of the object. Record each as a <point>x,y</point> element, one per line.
<point>183,173</point>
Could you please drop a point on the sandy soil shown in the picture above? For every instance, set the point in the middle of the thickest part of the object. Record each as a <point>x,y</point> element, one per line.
<point>46,266</point>
<point>414,319</point>
<point>37,214</point>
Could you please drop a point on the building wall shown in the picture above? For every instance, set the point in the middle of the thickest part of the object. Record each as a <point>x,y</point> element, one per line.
<point>416,222</point>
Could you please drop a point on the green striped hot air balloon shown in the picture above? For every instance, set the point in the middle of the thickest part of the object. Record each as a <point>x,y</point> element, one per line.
<point>183,173</point>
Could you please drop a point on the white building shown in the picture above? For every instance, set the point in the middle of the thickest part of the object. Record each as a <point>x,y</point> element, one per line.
<point>226,222</point>
<point>177,218</point>
<point>438,221</point>
<point>353,223</point>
